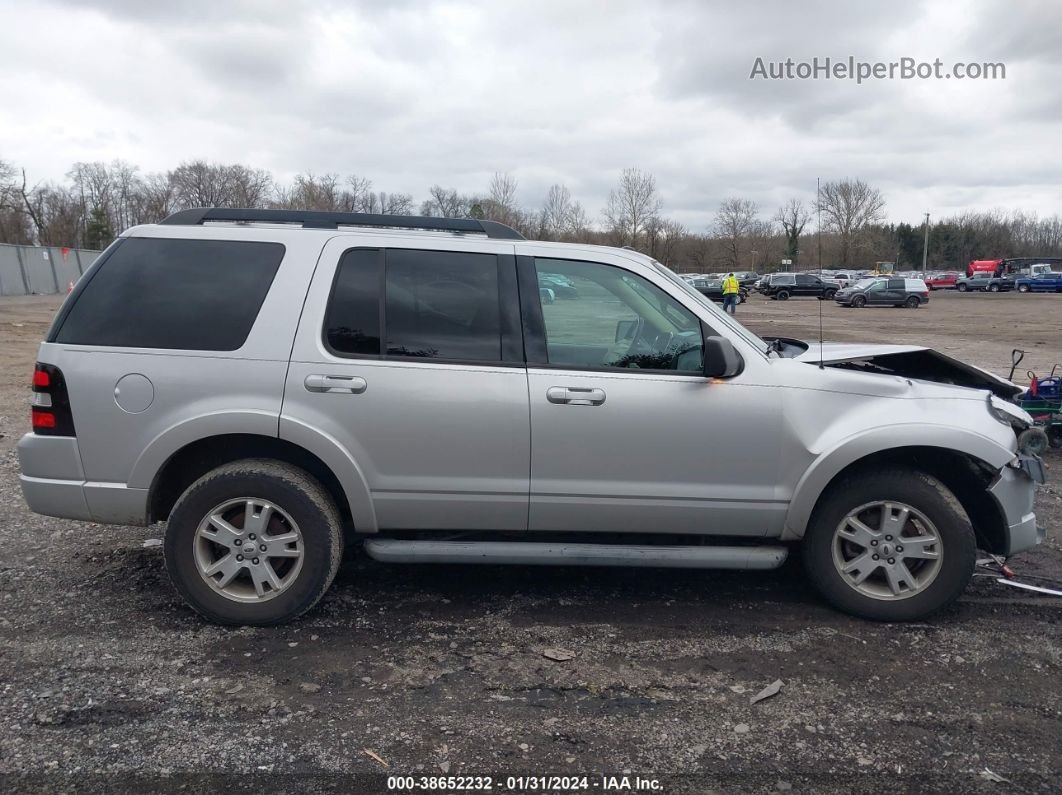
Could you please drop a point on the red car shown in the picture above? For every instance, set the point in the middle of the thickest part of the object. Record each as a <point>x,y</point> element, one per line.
<point>942,281</point>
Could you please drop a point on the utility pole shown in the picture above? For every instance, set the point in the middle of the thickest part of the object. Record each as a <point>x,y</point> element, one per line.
<point>925,248</point>
<point>754,253</point>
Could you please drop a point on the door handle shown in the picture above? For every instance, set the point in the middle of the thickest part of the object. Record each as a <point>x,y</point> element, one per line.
<point>337,384</point>
<point>575,395</point>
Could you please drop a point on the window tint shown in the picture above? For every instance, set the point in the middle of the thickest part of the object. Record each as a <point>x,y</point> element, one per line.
<point>352,323</point>
<point>609,317</point>
<point>443,305</point>
<point>783,278</point>
<point>804,279</point>
<point>896,284</point>
<point>185,294</point>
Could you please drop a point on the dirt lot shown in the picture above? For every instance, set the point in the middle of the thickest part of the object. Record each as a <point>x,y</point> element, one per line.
<point>108,682</point>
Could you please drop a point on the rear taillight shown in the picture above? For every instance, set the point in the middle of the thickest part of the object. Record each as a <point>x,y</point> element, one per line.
<point>51,415</point>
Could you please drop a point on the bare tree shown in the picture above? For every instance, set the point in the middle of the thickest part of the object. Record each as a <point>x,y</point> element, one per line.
<point>387,203</point>
<point>734,224</point>
<point>793,216</point>
<point>445,203</point>
<point>672,236</point>
<point>849,206</point>
<point>500,204</point>
<point>631,206</point>
<point>14,226</point>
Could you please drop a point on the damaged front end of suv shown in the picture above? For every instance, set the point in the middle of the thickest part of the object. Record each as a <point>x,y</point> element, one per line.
<point>952,418</point>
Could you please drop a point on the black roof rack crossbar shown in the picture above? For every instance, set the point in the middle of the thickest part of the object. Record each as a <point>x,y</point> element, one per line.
<point>311,219</point>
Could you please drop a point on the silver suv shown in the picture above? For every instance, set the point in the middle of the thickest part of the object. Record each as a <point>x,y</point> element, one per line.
<point>270,383</point>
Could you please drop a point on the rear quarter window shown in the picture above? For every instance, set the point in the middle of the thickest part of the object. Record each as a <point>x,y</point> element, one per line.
<point>180,294</point>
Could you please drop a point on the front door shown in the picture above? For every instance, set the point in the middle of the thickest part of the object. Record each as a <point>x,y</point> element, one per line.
<point>408,357</point>
<point>627,434</point>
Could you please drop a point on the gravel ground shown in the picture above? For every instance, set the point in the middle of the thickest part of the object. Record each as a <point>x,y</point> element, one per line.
<point>107,682</point>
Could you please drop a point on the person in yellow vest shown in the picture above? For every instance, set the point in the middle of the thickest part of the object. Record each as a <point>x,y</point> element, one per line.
<point>731,288</point>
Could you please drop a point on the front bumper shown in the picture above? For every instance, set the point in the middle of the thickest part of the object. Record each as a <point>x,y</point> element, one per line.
<point>1014,491</point>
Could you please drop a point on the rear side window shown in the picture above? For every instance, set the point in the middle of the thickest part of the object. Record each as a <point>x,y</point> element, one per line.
<point>442,305</point>
<point>436,305</point>
<point>352,325</point>
<point>201,295</point>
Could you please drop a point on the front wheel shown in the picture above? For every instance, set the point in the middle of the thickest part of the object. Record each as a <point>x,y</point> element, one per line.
<point>993,288</point>
<point>859,302</point>
<point>254,542</point>
<point>962,288</point>
<point>889,546</point>
<point>828,296</point>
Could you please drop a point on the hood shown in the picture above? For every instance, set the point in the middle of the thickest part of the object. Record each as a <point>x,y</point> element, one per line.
<point>909,361</point>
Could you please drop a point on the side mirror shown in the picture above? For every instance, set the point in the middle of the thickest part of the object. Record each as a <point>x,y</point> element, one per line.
<point>721,360</point>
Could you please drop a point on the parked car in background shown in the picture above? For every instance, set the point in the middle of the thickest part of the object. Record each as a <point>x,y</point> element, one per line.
<point>884,292</point>
<point>561,286</point>
<point>1050,282</point>
<point>984,282</point>
<point>943,281</point>
<point>747,278</point>
<point>713,288</point>
<point>783,286</point>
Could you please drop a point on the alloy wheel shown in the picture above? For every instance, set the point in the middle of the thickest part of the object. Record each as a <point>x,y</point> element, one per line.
<point>248,549</point>
<point>887,550</point>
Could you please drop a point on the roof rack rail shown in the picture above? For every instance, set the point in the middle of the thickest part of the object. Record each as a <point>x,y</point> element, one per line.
<point>311,219</point>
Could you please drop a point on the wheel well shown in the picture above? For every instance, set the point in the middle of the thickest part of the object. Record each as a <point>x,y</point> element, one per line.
<point>193,461</point>
<point>965,476</point>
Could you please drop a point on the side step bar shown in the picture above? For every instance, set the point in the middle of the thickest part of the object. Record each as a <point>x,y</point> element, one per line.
<point>531,553</point>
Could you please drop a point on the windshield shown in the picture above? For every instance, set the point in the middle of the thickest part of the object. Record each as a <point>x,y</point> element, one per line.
<point>719,316</point>
<point>863,284</point>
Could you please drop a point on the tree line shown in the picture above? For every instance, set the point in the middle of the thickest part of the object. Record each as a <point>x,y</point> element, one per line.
<point>99,200</point>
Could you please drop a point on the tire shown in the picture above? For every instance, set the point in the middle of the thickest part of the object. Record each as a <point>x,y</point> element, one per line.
<point>1023,288</point>
<point>782,295</point>
<point>993,288</point>
<point>962,288</point>
<point>912,302</point>
<point>935,517</point>
<point>299,506</point>
<point>859,301</point>
<point>828,295</point>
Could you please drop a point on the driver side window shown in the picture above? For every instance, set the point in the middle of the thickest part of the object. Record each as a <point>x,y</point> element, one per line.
<point>606,317</point>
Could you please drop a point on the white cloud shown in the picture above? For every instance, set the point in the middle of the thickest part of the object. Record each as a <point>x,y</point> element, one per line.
<point>414,93</point>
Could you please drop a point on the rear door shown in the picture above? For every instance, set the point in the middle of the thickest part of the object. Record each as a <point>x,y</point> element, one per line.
<point>807,285</point>
<point>409,357</point>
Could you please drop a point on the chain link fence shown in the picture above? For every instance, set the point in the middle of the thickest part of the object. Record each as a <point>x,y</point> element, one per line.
<point>40,270</point>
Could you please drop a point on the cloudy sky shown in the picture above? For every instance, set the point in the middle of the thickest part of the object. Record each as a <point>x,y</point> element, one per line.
<point>414,92</point>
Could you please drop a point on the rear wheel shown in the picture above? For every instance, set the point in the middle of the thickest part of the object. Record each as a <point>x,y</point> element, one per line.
<point>253,542</point>
<point>859,302</point>
<point>889,546</point>
<point>782,295</point>
<point>912,302</point>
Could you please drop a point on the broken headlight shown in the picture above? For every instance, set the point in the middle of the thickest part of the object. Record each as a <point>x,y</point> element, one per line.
<point>1008,413</point>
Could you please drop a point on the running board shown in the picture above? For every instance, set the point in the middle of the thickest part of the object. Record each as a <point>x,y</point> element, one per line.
<point>532,553</point>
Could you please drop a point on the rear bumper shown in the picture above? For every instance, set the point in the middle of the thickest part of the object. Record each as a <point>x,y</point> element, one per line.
<point>53,483</point>
<point>1014,491</point>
